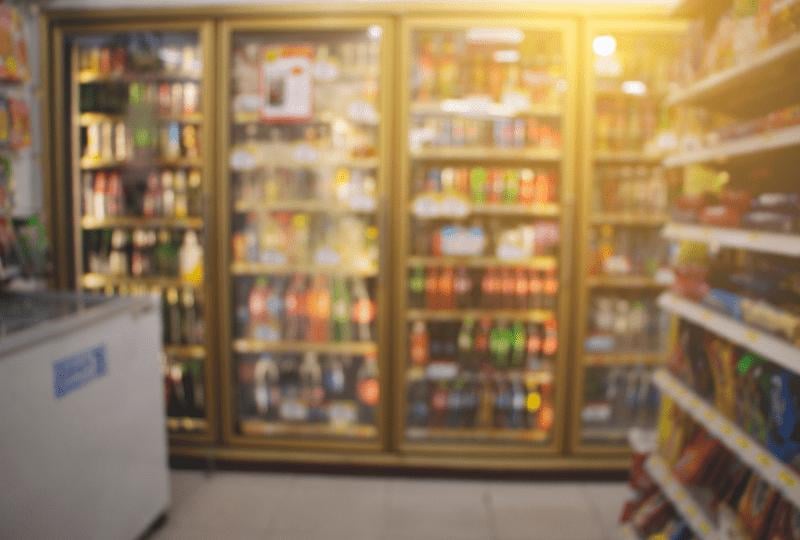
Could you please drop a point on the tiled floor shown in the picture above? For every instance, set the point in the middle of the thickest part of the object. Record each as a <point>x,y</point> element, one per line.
<point>310,507</point>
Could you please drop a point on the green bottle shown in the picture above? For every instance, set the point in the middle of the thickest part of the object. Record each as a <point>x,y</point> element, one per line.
<point>340,311</point>
<point>416,288</point>
<point>517,344</point>
<point>477,184</point>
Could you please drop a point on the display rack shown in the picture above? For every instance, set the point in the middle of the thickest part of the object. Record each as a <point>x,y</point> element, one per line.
<point>613,159</point>
<point>298,371</point>
<point>470,44</point>
<point>133,161</point>
<point>744,91</point>
<point>680,497</point>
<point>749,451</point>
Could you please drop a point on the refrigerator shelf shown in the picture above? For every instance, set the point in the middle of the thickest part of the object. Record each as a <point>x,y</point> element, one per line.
<point>748,450</point>
<point>535,315</point>
<point>136,222</point>
<point>353,348</point>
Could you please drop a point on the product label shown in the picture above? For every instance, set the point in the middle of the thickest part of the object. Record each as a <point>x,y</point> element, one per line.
<point>73,372</point>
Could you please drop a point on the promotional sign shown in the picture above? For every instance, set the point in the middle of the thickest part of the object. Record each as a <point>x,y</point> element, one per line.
<point>286,83</point>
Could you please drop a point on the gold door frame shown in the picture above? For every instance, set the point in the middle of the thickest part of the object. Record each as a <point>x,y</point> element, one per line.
<point>64,178</point>
<point>590,28</point>
<point>225,279</point>
<point>567,28</point>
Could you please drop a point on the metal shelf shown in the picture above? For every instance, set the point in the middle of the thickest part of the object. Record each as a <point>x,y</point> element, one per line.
<point>778,474</point>
<point>195,352</point>
<point>630,219</point>
<point>784,139</point>
<point>545,210</point>
<point>749,85</point>
<point>772,347</point>
<point>536,263</point>
<point>535,315</point>
<point>97,281</point>
<point>186,423</point>
<point>90,223</point>
<point>261,269</point>
<point>761,241</point>
<point>627,157</point>
<point>624,282</point>
<point>91,77</point>
<point>477,434</point>
<point>89,118</point>
<point>327,207</point>
<point>681,499</point>
<point>486,154</point>
<point>88,164</point>
<point>476,110</point>
<point>624,359</point>
<point>355,348</point>
<point>257,427</point>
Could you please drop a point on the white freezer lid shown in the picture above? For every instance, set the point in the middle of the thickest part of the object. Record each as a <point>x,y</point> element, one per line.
<point>31,318</point>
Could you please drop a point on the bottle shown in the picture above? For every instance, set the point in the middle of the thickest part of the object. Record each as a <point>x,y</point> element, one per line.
<point>260,326</point>
<point>151,201</point>
<point>518,344</point>
<point>453,406</point>
<point>481,342</point>
<point>486,403</point>
<point>502,405</point>
<point>439,405</point>
<point>419,344</point>
<point>416,288</point>
<point>464,342</point>
<point>508,289</point>
<point>462,287</point>
<point>265,387</point>
<point>478,184</point>
<point>99,196</point>
<point>310,382</point>
<point>550,289</point>
<point>520,289</point>
<point>445,289</point>
<point>191,259</point>
<point>500,345</point>
<point>363,310</point>
<point>294,301</point>
<point>181,204</point>
<point>518,401</point>
<point>431,289</point>
<point>490,287</point>
<point>368,389</point>
<point>340,311</point>
<point>511,190</point>
<point>116,195</point>
<point>319,310</point>
<point>195,193</point>
<point>173,335</point>
<point>533,347</point>
<point>188,318</point>
<point>167,195</point>
<point>535,287</point>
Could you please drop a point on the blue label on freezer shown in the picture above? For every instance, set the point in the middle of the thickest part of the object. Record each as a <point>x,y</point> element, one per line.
<point>74,371</point>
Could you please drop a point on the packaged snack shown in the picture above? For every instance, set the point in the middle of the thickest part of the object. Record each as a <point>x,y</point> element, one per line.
<point>756,506</point>
<point>785,523</point>
<point>696,458</point>
<point>783,419</point>
<point>750,400</point>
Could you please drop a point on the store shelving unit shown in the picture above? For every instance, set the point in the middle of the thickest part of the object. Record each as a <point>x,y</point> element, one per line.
<point>749,451</point>
<point>683,501</point>
<point>612,160</point>
<point>474,40</point>
<point>296,390</point>
<point>770,346</point>
<point>126,138</point>
<point>751,240</point>
<point>764,83</point>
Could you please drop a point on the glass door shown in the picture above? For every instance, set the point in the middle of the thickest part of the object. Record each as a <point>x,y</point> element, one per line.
<point>136,105</point>
<point>484,210</point>
<point>304,248</point>
<point>623,259</point>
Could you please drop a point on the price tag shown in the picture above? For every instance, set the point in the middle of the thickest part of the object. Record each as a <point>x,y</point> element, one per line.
<point>691,511</point>
<point>705,528</point>
<point>751,336</point>
<point>742,443</point>
<point>787,479</point>
<point>763,459</point>
<point>727,429</point>
<point>705,315</point>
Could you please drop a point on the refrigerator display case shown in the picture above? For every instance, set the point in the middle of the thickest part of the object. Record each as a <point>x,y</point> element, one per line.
<point>623,262</point>
<point>133,168</point>
<point>304,232</point>
<point>483,235</point>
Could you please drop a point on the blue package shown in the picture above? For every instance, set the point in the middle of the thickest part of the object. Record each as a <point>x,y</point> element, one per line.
<point>724,301</point>
<point>783,422</point>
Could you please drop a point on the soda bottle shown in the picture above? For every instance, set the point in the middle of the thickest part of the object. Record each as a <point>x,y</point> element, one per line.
<point>508,289</point>
<point>518,343</point>
<point>478,184</point>
<point>419,344</point>
<point>550,289</point>
<point>469,403</point>
<point>431,289</point>
<point>368,389</point>
<point>418,408</point>
<point>445,289</point>
<point>319,310</point>
<point>535,287</point>
<point>454,403</point>
<point>512,187</point>
<point>533,347</point>
<point>363,310</point>
<point>463,288</point>
<point>340,311</point>
<point>518,399</point>
<point>490,285</point>
<point>481,342</point>
<point>526,187</point>
<point>439,405</point>
<point>257,307</point>
<point>502,405</point>
<point>520,289</point>
<point>486,403</point>
<point>295,309</point>
<point>550,342</point>
<point>416,288</point>
<point>464,340</point>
